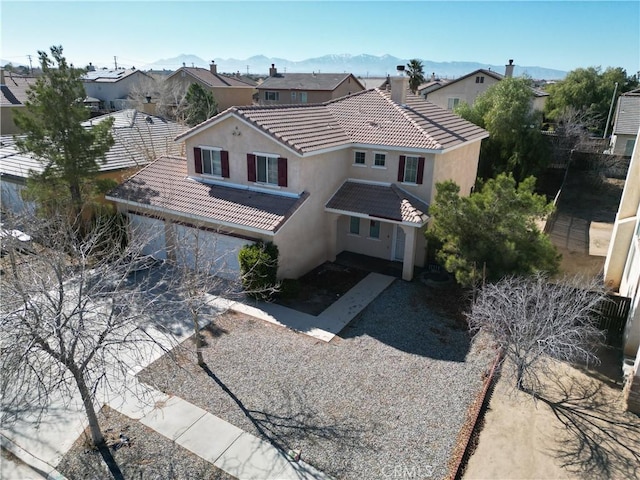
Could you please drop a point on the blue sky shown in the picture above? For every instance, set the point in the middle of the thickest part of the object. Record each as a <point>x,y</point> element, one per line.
<point>560,34</point>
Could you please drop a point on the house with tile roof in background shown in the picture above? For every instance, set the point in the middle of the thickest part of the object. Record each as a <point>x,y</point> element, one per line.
<point>626,123</point>
<point>468,87</point>
<point>301,88</point>
<point>227,90</point>
<point>353,174</point>
<point>139,139</point>
<point>13,89</point>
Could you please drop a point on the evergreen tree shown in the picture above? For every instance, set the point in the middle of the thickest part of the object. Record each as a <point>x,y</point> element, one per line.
<point>53,132</point>
<point>200,105</point>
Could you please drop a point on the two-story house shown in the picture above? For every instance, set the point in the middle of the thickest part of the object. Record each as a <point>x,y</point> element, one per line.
<point>113,89</point>
<point>468,87</point>
<point>626,123</point>
<point>227,90</point>
<point>301,88</point>
<point>355,174</point>
<point>622,273</point>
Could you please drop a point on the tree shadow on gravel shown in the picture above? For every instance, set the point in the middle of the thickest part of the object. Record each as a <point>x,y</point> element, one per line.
<point>599,439</point>
<point>428,321</point>
<point>282,430</point>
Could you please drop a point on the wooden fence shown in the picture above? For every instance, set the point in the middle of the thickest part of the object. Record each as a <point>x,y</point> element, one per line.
<point>613,316</point>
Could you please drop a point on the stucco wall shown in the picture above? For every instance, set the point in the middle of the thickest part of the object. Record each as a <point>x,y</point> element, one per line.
<point>110,91</point>
<point>466,90</point>
<point>459,165</point>
<point>7,124</point>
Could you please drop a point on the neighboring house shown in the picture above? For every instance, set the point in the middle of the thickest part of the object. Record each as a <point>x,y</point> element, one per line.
<point>626,123</point>
<point>139,139</point>
<point>14,94</point>
<point>355,174</point>
<point>301,88</point>
<point>115,88</point>
<point>622,272</point>
<point>227,90</point>
<point>433,84</point>
<point>468,87</point>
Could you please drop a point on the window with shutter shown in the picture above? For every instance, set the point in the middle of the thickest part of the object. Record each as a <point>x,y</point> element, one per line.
<point>197,159</point>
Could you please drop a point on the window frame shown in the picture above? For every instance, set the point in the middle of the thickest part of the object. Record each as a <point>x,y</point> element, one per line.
<point>452,100</point>
<point>375,160</point>
<point>414,168</point>
<point>304,98</point>
<point>354,226</point>
<point>364,158</point>
<point>293,96</point>
<point>272,93</point>
<point>271,161</point>
<point>374,229</point>
<point>209,151</point>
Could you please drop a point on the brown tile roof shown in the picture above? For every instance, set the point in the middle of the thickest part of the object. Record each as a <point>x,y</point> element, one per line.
<point>367,117</point>
<point>14,90</point>
<point>215,80</point>
<point>164,185</point>
<point>307,81</point>
<point>387,202</point>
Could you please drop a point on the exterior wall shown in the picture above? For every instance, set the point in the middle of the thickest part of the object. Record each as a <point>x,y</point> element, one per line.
<point>111,91</point>
<point>459,165</point>
<point>620,143</point>
<point>466,90</point>
<point>7,124</point>
<point>539,103</point>
<point>227,97</point>
<point>347,87</point>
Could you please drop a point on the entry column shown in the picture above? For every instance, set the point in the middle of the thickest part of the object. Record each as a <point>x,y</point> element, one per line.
<point>409,252</point>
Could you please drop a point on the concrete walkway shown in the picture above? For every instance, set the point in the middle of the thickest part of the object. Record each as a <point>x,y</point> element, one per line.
<point>229,448</point>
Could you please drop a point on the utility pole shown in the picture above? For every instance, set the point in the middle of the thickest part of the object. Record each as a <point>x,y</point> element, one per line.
<point>247,69</point>
<point>30,66</point>
<point>606,127</point>
<point>115,62</point>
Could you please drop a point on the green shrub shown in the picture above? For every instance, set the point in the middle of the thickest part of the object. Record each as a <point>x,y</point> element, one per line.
<point>259,268</point>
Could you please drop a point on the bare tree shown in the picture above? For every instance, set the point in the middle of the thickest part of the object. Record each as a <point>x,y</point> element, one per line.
<point>76,317</point>
<point>532,319</point>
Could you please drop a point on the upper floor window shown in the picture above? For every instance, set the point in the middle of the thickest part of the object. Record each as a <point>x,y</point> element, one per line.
<point>374,229</point>
<point>359,158</point>
<point>479,79</point>
<point>293,96</point>
<point>452,103</point>
<point>411,169</point>
<point>354,225</point>
<point>211,161</point>
<point>303,97</point>
<point>272,96</point>
<point>379,159</point>
<point>268,169</point>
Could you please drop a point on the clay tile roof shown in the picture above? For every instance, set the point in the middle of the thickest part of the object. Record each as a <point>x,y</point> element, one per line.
<point>164,185</point>
<point>388,202</point>
<point>14,90</point>
<point>215,80</point>
<point>304,81</point>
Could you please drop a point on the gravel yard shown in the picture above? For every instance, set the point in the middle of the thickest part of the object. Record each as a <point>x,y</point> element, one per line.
<point>387,398</point>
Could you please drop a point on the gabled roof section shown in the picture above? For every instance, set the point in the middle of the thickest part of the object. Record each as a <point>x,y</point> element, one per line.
<point>213,79</point>
<point>480,71</point>
<point>388,202</point>
<point>109,76</point>
<point>139,139</point>
<point>164,186</point>
<point>14,89</point>
<point>627,120</point>
<point>368,117</point>
<point>307,81</point>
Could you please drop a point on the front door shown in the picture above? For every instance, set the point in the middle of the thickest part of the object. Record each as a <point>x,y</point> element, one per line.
<point>399,244</point>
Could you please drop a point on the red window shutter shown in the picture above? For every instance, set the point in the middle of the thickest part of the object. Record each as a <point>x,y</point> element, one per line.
<point>420,170</point>
<point>401,168</point>
<point>224,163</point>
<point>197,159</point>
<point>251,167</point>
<point>282,172</point>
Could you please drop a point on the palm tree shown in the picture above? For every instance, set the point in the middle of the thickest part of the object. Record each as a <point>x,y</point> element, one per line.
<point>415,70</point>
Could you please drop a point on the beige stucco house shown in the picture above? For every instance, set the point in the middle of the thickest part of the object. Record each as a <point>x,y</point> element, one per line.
<point>114,89</point>
<point>622,272</point>
<point>468,87</point>
<point>355,174</point>
<point>626,123</point>
<point>13,94</point>
<point>227,90</point>
<point>302,88</point>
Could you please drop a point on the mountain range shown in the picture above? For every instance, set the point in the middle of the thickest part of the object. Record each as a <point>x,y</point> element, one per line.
<point>360,65</point>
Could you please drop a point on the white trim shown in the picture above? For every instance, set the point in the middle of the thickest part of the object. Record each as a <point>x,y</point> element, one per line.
<point>209,147</point>
<point>369,217</point>
<point>271,155</point>
<point>367,182</point>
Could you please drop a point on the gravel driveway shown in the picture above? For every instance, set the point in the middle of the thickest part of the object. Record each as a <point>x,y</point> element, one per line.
<point>387,398</point>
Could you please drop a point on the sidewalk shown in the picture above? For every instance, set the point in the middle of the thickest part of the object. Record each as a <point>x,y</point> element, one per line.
<point>229,448</point>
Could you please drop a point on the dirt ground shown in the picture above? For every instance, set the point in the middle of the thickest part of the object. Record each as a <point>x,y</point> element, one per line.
<point>576,429</point>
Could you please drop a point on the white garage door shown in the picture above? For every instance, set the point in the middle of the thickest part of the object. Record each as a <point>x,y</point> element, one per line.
<point>216,252</point>
<point>149,233</point>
